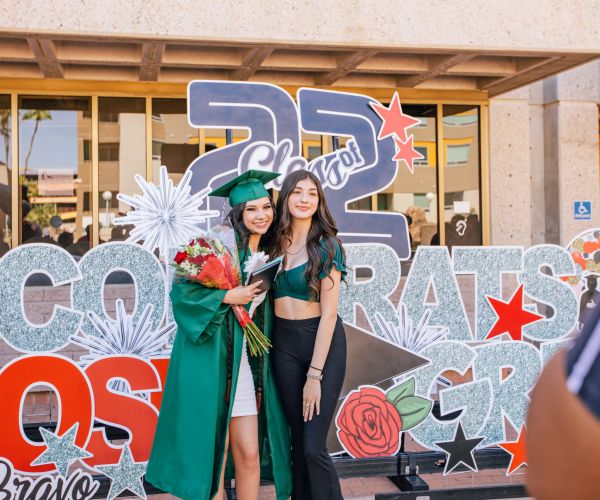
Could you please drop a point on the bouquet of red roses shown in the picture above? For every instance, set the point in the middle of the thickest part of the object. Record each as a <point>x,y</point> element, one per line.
<point>206,260</point>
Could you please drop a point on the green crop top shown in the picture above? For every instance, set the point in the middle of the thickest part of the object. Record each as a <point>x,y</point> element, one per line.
<point>293,283</point>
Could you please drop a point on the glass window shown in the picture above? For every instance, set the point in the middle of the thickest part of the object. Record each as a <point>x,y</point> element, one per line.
<point>238,135</point>
<point>457,154</point>
<point>5,175</point>
<point>174,141</point>
<point>218,137</point>
<point>121,155</point>
<point>461,177</point>
<point>54,174</point>
<point>214,138</point>
<point>362,204</point>
<point>311,146</point>
<point>415,195</point>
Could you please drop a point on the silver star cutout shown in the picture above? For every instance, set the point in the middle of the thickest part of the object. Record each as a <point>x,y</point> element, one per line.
<point>62,451</point>
<point>126,475</point>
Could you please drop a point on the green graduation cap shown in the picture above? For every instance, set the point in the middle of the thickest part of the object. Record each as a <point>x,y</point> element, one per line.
<point>245,187</point>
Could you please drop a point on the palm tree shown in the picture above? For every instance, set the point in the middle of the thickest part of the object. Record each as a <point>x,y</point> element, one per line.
<point>5,131</point>
<point>38,115</point>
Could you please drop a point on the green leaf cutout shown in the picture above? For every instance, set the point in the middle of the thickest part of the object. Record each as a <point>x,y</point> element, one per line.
<point>413,410</point>
<point>403,390</point>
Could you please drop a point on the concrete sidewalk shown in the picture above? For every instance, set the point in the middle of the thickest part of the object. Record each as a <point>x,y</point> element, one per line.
<point>363,488</point>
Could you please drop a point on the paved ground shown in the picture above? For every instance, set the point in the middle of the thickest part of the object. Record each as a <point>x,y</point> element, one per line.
<point>365,488</point>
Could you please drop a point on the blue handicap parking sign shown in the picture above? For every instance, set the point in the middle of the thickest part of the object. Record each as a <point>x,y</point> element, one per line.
<point>582,210</point>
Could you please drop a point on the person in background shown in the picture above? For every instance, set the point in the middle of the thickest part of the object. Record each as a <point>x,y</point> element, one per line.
<point>563,423</point>
<point>4,246</point>
<point>65,239</point>
<point>589,299</point>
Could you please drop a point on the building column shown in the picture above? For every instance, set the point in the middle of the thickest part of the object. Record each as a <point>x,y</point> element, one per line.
<point>571,155</point>
<point>510,169</point>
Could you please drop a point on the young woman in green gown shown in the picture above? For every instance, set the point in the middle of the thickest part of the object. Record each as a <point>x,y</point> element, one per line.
<point>209,404</point>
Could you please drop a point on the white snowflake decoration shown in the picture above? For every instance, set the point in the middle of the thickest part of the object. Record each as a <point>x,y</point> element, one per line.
<point>124,336</point>
<point>405,334</point>
<point>165,216</point>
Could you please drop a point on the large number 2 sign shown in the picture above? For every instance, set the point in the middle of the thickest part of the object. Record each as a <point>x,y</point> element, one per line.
<point>274,123</point>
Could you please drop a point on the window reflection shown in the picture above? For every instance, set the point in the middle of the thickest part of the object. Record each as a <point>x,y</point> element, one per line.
<point>414,194</point>
<point>5,175</point>
<point>174,141</point>
<point>55,166</point>
<point>461,175</point>
<point>218,137</point>
<point>121,155</point>
<point>54,175</point>
<point>312,146</point>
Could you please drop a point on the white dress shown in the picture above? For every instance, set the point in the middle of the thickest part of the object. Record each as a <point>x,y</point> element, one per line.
<point>244,402</point>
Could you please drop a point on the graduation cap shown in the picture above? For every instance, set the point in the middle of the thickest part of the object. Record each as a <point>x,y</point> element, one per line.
<point>246,187</point>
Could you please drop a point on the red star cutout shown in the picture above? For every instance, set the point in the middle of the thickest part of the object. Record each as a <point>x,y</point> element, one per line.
<point>407,152</point>
<point>517,450</point>
<point>395,122</point>
<point>511,316</point>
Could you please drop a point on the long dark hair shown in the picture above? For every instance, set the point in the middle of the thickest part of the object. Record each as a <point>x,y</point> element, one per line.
<point>322,229</point>
<point>236,217</point>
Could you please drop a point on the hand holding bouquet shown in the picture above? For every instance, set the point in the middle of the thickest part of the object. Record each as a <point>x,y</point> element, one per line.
<point>207,261</point>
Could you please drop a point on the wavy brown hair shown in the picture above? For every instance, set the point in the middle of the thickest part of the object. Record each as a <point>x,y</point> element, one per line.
<point>322,229</point>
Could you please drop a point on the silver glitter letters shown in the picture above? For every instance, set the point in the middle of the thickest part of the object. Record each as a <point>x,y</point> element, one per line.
<point>510,393</point>
<point>550,290</point>
<point>487,264</point>
<point>16,266</point>
<point>372,294</point>
<point>98,263</point>
<point>432,267</point>
<point>446,355</point>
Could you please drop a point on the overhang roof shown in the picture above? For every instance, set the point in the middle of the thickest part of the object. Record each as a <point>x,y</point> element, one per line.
<point>168,60</point>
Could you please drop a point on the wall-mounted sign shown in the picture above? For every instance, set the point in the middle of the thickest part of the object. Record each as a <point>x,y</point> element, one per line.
<point>582,210</point>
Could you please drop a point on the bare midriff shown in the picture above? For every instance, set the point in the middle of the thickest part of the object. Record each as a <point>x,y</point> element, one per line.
<point>291,308</point>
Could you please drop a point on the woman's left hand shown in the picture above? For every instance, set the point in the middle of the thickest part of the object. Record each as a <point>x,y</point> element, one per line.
<point>311,398</point>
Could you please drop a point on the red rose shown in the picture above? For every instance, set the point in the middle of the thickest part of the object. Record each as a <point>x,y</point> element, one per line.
<point>368,424</point>
<point>180,257</point>
<point>198,260</point>
<point>200,241</point>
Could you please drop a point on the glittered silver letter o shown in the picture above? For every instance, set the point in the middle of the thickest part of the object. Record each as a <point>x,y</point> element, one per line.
<point>143,266</point>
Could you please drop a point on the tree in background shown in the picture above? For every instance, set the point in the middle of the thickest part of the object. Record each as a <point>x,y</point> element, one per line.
<point>5,131</point>
<point>38,115</point>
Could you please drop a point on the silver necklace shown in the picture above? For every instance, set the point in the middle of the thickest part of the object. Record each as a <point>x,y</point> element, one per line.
<point>297,251</point>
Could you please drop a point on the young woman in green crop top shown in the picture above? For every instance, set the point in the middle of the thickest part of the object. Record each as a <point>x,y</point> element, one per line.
<point>309,344</point>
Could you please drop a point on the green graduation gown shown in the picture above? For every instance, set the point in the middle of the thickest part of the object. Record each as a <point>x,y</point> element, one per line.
<point>190,436</point>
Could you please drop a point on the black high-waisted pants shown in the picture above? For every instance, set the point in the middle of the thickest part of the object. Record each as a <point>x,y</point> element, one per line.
<point>314,474</point>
